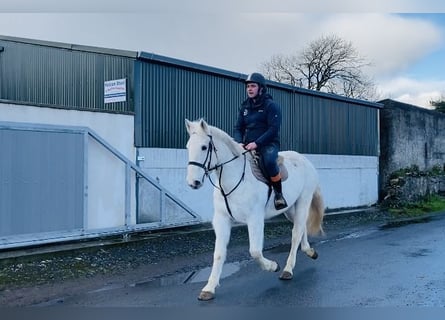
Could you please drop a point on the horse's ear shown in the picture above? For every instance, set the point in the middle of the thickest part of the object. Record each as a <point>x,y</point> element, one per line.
<point>203,124</point>
<point>187,125</point>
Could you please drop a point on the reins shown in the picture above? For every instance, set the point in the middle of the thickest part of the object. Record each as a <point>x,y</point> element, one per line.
<point>208,169</point>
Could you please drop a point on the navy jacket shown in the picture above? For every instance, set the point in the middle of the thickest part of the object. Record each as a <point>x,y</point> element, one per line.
<point>258,122</point>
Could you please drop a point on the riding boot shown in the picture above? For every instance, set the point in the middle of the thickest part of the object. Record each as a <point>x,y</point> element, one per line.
<point>279,201</point>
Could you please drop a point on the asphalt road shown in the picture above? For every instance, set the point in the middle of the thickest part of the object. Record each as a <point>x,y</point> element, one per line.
<point>360,265</point>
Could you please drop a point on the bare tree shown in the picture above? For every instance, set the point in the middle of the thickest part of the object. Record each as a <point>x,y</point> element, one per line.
<point>328,64</point>
<point>439,104</point>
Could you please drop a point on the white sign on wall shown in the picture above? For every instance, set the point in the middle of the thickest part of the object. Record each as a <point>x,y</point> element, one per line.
<point>115,90</point>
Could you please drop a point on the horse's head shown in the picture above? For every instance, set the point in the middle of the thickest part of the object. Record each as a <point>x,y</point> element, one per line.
<point>200,149</point>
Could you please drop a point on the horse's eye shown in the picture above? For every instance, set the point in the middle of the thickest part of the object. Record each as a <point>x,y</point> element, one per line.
<point>204,148</point>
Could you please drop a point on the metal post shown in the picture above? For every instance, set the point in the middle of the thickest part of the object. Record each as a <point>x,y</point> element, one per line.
<point>127,194</point>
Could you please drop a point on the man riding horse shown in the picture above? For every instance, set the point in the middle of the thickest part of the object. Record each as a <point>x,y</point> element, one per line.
<point>257,128</point>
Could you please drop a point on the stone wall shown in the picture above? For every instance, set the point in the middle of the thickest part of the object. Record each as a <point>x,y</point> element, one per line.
<point>411,185</point>
<point>411,137</point>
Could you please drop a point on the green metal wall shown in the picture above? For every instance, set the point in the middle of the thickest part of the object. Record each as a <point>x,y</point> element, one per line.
<point>63,75</point>
<point>163,91</point>
<point>169,91</point>
<point>169,94</point>
<point>327,124</point>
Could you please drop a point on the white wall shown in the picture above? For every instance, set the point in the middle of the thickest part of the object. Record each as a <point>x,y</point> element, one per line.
<point>346,181</point>
<point>106,183</point>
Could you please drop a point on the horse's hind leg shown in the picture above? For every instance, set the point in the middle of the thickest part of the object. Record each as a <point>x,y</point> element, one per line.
<point>305,247</point>
<point>299,217</point>
<point>221,226</point>
<point>256,238</point>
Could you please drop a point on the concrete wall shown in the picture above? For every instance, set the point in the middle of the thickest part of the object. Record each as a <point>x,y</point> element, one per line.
<point>409,136</point>
<point>346,181</point>
<point>106,183</point>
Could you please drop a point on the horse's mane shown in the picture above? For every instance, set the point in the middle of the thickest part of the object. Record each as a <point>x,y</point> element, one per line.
<point>219,134</point>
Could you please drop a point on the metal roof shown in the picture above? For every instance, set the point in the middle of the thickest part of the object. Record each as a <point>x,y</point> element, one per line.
<point>240,76</point>
<point>146,56</point>
<point>74,47</point>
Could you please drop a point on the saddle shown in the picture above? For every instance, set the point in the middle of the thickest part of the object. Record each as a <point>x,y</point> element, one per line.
<point>259,172</point>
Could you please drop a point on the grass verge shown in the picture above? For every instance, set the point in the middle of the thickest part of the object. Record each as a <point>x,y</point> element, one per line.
<point>429,204</point>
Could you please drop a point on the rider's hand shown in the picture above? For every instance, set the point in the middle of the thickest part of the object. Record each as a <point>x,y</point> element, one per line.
<point>251,146</point>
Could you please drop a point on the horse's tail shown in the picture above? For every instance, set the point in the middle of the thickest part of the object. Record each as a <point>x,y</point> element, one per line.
<point>316,214</point>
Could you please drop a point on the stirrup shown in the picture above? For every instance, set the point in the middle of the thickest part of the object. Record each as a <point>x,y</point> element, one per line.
<point>279,202</point>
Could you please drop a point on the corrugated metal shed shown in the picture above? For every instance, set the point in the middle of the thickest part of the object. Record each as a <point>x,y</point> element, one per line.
<point>163,91</point>
<point>63,75</point>
<point>170,90</point>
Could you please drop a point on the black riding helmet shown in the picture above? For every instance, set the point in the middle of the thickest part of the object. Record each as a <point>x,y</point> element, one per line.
<point>257,78</point>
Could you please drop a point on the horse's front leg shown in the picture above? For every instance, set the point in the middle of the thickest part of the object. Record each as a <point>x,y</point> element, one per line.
<point>299,235</point>
<point>256,238</point>
<point>222,227</point>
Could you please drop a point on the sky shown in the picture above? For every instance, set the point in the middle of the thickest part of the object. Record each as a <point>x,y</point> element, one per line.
<point>404,40</point>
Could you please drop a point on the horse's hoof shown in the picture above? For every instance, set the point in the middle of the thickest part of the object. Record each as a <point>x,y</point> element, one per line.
<point>314,255</point>
<point>286,275</point>
<point>277,268</point>
<point>206,296</point>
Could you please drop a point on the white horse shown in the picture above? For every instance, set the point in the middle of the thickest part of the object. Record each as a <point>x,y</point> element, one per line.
<point>240,196</point>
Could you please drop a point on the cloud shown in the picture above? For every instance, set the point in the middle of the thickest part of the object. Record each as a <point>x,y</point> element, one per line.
<point>412,91</point>
<point>235,41</point>
<point>394,44</point>
<point>227,6</point>
<point>391,43</point>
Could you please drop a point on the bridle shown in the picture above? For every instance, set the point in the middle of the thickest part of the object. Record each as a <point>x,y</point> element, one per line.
<point>207,161</point>
<point>208,169</point>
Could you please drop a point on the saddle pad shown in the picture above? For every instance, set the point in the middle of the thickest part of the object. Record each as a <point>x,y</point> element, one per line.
<point>256,170</point>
